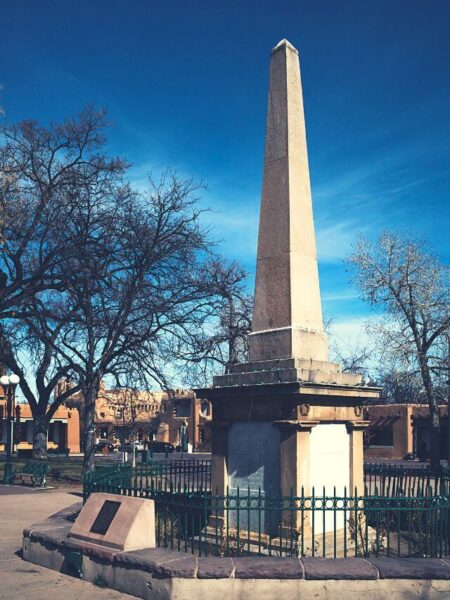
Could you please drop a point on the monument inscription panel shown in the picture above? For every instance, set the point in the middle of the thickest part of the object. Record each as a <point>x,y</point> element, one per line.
<point>254,469</point>
<point>105,517</point>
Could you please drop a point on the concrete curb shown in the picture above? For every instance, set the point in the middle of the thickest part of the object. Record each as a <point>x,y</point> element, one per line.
<point>160,573</point>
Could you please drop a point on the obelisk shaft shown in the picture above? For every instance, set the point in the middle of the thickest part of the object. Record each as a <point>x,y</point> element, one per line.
<point>287,320</point>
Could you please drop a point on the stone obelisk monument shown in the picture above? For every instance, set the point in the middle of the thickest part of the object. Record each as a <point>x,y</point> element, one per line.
<point>288,420</point>
<point>287,320</point>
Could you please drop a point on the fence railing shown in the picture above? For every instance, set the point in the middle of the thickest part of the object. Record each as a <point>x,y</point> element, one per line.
<point>398,513</point>
<point>185,475</point>
<point>181,476</point>
<point>319,525</point>
<point>384,479</point>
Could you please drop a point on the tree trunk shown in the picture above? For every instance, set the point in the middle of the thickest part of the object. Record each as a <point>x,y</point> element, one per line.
<point>90,396</point>
<point>435,434</point>
<point>435,430</point>
<point>40,430</point>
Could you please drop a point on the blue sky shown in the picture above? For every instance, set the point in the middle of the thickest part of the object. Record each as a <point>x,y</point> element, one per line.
<point>185,83</point>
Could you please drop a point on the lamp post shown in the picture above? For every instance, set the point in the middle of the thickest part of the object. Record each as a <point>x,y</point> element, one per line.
<point>9,383</point>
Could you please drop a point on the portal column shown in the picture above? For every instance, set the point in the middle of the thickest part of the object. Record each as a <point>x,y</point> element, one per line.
<point>294,468</point>
<point>219,470</point>
<point>294,456</point>
<point>356,432</point>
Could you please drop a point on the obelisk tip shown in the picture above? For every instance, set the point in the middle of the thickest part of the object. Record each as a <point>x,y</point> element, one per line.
<point>284,44</point>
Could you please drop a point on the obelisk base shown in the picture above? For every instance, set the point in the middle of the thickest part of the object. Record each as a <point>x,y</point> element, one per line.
<point>286,342</point>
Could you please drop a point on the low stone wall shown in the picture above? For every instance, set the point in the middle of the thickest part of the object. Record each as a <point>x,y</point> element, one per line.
<point>159,574</point>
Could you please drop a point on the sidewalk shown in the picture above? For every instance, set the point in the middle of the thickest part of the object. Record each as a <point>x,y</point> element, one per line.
<point>19,507</point>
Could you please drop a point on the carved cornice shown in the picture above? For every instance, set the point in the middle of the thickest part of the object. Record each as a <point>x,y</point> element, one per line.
<point>299,425</point>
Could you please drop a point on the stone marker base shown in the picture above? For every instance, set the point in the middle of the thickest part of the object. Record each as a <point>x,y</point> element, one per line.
<point>287,370</point>
<point>158,574</point>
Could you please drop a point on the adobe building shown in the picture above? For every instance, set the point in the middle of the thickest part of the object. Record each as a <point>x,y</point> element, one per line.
<point>122,413</point>
<point>183,409</point>
<point>63,431</point>
<point>119,413</point>
<point>396,430</point>
<point>288,421</point>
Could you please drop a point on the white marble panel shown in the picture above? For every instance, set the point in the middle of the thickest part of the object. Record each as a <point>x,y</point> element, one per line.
<point>329,469</point>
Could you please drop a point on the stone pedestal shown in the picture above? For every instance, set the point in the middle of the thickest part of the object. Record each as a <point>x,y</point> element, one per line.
<point>306,398</point>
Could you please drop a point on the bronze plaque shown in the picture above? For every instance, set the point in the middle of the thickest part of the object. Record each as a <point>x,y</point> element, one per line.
<point>105,517</point>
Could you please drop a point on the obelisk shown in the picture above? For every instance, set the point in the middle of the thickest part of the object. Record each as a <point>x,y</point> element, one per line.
<point>287,319</point>
<point>287,421</point>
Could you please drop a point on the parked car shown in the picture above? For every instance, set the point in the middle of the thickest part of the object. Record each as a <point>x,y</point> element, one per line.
<point>411,456</point>
<point>102,444</point>
<point>161,447</point>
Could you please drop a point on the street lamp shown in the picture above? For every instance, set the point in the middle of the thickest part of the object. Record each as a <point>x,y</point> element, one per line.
<point>9,383</point>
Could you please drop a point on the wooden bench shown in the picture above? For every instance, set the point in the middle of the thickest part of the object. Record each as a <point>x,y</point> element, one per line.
<point>34,472</point>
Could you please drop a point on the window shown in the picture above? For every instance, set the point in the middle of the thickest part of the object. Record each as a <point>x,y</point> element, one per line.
<point>204,408</point>
<point>382,436</point>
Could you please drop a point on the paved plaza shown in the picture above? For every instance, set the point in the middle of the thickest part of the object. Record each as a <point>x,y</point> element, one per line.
<point>20,507</point>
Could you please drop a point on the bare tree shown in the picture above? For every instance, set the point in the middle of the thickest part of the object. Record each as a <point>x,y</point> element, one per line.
<point>402,277</point>
<point>401,387</point>
<point>142,286</point>
<point>16,340</point>
<point>98,279</point>
<point>222,341</point>
<point>41,170</point>
<point>45,172</point>
<point>352,359</point>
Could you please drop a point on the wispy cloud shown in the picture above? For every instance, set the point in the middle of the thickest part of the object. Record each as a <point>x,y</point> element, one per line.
<point>348,332</point>
<point>334,241</point>
<point>340,296</point>
<point>364,198</point>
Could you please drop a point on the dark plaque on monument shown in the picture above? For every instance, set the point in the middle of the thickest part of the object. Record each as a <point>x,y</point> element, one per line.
<point>105,516</point>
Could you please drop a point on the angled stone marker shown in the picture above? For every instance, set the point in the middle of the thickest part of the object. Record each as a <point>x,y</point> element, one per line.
<point>116,522</point>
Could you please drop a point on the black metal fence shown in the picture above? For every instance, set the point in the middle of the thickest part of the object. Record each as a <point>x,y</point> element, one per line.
<point>399,513</point>
<point>384,479</point>
<point>181,476</point>
<point>320,525</point>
